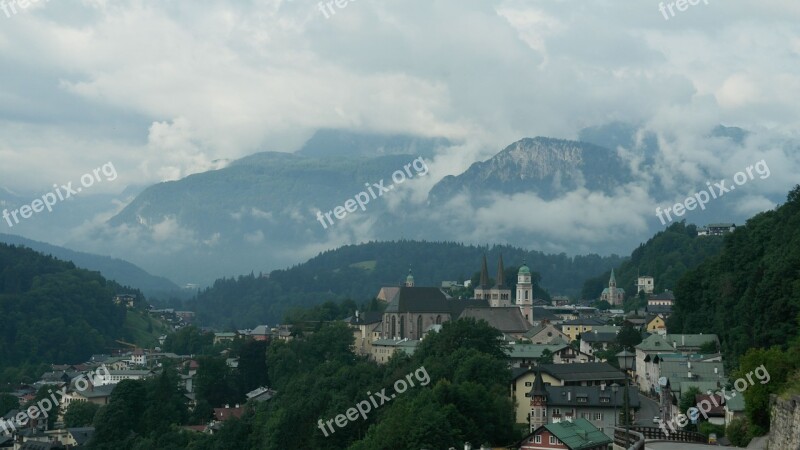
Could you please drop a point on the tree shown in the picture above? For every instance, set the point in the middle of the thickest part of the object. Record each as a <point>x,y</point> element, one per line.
<point>7,403</point>
<point>629,337</point>
<point>252,366</point>
<point>80,414</point>
<point>547,357</point>
<point>738,432</point>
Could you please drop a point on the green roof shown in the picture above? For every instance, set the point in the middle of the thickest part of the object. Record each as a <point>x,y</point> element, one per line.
<point>664,343</point>
<point>533,351</point>
<point>524,269</point>
<point>578,434</point>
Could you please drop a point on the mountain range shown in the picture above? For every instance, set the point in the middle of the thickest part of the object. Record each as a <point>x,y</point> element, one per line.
<point>262,212</point>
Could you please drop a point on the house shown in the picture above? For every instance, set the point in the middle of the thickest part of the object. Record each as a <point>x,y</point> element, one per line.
<point>528,355</point>
<point>716,229</point>
<point>574,328</point>
<point>599,339</point>
<point>95,394</point>
<point>545,334</point>
<point>383,349</point>
<point>656,324</point>
<point>224,337</point>
<point>543,315</point>
<point>363,324</point>
<point>579,434</point>
<point>716,416</point>
<point>261,394</point>
<point>734,409</point>
<point>646,373</point>
<point>115,376</point>
<point>644,283</point>
<point>138,357</point>
<point>598,405</point>
<point>78,437</point>
<point>126,300</point>
<point>585,374</point>
<point>260,333</point>
<point>227,413</point>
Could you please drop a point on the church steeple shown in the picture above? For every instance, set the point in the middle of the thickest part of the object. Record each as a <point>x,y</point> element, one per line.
<point>500,280</point>
<point>612,282</point>
<point>409,278</point>
<point>484,274</point>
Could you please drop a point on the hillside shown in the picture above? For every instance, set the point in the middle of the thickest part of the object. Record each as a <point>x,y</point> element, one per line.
<point>750,293</point>
<point>359,271</point>
<point>53,312</point>
<point>666,257</point>
<point>121,271</point>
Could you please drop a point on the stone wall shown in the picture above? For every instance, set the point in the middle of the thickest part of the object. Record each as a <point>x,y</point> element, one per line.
<point>785,423</point>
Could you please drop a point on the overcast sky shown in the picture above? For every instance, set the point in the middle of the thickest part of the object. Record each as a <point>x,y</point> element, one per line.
<point>164,89</point>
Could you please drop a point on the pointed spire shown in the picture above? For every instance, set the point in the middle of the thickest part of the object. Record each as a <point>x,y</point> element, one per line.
<point>484,274</point>
<point>613,279</point>
<point>501,278</point>
<point>538,385</point>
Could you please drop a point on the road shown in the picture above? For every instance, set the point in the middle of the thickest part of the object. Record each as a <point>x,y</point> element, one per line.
<point>648,409</point>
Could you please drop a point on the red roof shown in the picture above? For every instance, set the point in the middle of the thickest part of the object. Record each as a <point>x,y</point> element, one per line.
<point>716,411</point>
<point>223,414</point>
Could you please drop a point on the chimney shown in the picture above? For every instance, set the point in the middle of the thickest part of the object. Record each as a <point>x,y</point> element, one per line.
<point>716,370</point>
<point>602,387</point>
<point>569,395</point>
<point>690,374</point>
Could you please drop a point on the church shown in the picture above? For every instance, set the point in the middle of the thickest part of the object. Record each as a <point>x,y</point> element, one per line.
<point>612,294</point>
<point>414,310</point>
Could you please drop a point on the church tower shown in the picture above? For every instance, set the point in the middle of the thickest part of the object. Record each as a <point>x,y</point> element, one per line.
<point>482,290</point>
<point>500,293</point>
<point>538,415</point>
<point>409,279</point>
<point>525,292</point>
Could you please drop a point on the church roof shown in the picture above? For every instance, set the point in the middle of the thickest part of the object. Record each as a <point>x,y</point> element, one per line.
<point>419,299</point>
<point>613,279</point>
<point>507,319</point>
<point>484,274</point>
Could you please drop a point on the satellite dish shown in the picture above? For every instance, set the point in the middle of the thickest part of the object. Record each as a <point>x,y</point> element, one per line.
<point>662,381</point>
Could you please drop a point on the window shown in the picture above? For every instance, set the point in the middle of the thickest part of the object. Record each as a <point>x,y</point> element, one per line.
<point>394,325</point>
<point>526,295</point>
<point>598,416</point>
<point>556,412</point>
<point>528,383</point>
<point>553,440</point>
<point>537,439</point>
<point>583,399</point>
<point>419,327</point>
<point>527,394</point>
<point>605,399</point>
<point>438,320</point>
<point>402,327</point>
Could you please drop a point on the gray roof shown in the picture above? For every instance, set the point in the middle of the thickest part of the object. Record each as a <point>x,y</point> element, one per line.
<point>659,309</point>
<point>540,313</point>
<point>419,299</point>
<point>575,372</point>
<point>588,321</point>
<point>533,351</point>
<point>81,435</point>
<point>666,295</point>
<point>589,396</point>
<point>507,320</point>
<point>365,318</point>
<point>599,337</point>
<point>584,371</point>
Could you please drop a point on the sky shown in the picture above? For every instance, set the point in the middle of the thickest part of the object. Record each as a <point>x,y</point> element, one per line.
<point>164,89</point>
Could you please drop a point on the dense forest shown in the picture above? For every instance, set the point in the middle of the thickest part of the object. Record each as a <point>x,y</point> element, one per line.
<point>359,271</point>
<point>666,257</point>
<point>749,294</point>
<point>53,312</point>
